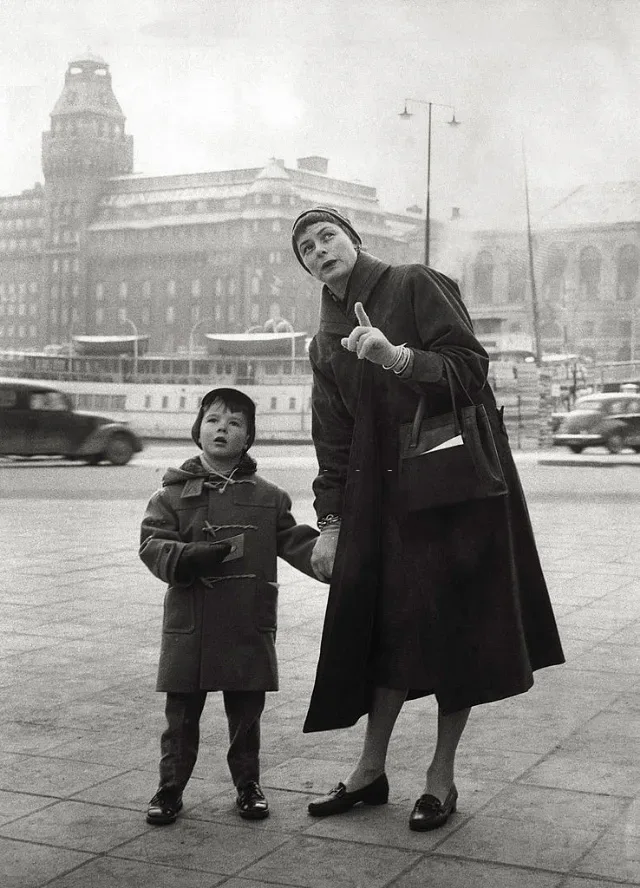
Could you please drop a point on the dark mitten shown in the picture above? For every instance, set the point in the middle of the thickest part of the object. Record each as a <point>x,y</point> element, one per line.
<point>200,559</point>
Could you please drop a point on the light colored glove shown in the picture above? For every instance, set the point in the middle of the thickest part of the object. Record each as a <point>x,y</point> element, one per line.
<point>369,342</point>
<point>324,553</point>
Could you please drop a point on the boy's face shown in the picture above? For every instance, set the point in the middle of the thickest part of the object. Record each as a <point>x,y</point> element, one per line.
<point>224,435</point>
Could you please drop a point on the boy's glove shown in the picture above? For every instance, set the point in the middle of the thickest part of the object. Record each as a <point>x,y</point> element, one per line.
<point>200,559</point>
<point>324,552</point>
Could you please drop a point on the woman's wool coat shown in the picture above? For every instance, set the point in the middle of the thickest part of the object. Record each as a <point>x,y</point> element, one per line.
<point>483,621</point>
<point>220,634</point>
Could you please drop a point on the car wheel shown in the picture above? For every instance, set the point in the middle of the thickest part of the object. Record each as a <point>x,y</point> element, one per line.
<point>615,443</point>
<point>118,450</point>
<point>575,448</point>
<point>636,449</point>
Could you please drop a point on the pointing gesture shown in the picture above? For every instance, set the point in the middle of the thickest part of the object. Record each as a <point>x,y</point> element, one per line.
<point>368,341</point>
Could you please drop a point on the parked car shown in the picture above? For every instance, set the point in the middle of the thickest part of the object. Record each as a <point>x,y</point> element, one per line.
<point>36,420</point>
<point>610,420</point>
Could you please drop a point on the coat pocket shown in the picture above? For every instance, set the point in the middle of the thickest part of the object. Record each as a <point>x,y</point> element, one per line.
<point>266,606</point>
<point>179,610</point>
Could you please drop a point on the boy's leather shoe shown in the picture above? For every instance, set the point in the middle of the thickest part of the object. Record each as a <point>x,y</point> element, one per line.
<point>430,813</point>
<point>339,800</point>
<point>251,802</point>
<point>164,807</point>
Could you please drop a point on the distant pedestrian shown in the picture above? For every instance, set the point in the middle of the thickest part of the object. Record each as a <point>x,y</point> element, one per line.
<point>449,600</point>
<point>213,533</point>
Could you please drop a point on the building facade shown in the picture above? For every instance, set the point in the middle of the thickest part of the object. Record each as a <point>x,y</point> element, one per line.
<point>586,254</point>
<point>99,250</point>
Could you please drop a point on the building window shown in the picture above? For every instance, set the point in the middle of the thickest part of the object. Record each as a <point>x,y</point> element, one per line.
<point>255,312</point>
<point>590,266</point>
<point>274,404</point>
<point>170,314</point>
<point>171,288</point>
<point>32,331</point>
<point>146,315</point>
<point>255,286</point>
<point>483,278</point>
<point>196,288</point>
<point>292,403</point>
<point>231,313</point>
<point>122,290</point>
<point>55,265</point>
<point>33,288</point>
<point>218,287</point>
<point>76,265</point>
<point>165,402</point>
<point>147,402</point>
<point>99,292</point>
<point>66,265</point>
<point>627,273</point>
<point>182,402</point>
<point>195,314</point>
<point>218,313</point>
<point>122,314</point>
<point>146,289</point>
<point>99,317</point>
<point>22,331</point>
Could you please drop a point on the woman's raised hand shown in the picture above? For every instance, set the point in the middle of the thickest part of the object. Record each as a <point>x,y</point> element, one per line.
<point>368,341</point>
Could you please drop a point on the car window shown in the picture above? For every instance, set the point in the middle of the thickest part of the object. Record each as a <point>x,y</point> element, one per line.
<point>634,407</point>
<point>589,404</point>
<point>617,407</point>
<point>48,401</point>
<point>8,398</point>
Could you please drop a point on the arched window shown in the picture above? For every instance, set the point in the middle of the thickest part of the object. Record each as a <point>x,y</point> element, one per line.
<point>483,277</point>
<point>590,265</point>
<point>517,279</point>
<point>553,276</point>
<point>627,273</point>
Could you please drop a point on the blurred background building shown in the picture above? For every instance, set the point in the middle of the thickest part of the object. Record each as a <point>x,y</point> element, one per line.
<point>101,250</point>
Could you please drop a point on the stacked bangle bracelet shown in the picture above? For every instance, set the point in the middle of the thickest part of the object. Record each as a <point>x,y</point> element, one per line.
<point>400,362</point>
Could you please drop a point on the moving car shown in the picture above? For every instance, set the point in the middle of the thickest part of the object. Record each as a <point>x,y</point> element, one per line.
<point>610,420</point>
<point>36,420</point>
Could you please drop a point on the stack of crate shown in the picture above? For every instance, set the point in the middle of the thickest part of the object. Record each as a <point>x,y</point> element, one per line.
<point>517,388</point>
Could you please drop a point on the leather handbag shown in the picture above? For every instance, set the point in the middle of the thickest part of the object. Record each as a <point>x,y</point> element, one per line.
<point>451,458</point>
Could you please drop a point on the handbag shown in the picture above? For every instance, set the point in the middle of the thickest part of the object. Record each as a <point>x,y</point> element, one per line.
<point>451,458</point>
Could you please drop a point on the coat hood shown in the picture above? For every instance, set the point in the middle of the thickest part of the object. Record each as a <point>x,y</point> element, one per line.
<point>193,468</point>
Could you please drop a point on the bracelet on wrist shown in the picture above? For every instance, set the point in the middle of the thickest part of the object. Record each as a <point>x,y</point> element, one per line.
<point>329,521</point>
<point>398,357</point>
<point>403,363</point>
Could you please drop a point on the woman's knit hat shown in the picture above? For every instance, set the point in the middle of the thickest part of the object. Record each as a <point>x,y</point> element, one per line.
<point>235,400</point>
<point>320,214</point>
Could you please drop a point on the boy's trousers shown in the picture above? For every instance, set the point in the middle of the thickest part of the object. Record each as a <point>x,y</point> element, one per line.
<point>181,738</point>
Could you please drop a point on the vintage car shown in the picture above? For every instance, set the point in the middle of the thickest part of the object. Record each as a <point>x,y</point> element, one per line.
<point>608,419</point>
<point>36,420</point>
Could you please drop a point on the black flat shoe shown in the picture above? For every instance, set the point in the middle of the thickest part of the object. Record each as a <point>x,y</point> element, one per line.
<point>251,802</point>
<point>164,807</point>
<point>339,800</point>
<point>430,813</point>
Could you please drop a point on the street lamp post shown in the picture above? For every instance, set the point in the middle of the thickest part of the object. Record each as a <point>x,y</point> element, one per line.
<point>135,346</point>
<point>406,115</point>
<point>192,345</point>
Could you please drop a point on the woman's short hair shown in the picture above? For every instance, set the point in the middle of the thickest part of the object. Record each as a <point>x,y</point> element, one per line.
<point>321,214</point>
<point>236,402</point>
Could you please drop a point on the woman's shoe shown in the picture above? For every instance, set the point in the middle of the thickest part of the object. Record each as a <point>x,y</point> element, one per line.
<point>430,813</point>
<point>339,800</point>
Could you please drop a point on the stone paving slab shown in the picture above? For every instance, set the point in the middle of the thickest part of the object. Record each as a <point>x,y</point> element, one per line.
<point>549,781</point>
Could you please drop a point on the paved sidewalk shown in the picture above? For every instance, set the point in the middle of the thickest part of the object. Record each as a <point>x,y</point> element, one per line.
<point>549,782</point>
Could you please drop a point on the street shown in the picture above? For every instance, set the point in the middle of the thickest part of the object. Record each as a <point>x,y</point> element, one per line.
<point>549,781</point>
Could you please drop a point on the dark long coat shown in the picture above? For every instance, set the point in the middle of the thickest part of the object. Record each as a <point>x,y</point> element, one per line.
<point>220,635</point>
<point>477,618</point>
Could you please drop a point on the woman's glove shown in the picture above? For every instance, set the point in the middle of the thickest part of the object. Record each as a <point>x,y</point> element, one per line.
<point>200,559</point>
<point>324,553</point>
<point>369,342</point>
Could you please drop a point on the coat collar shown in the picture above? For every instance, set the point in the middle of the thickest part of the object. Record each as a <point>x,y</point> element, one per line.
<point>339,316</point>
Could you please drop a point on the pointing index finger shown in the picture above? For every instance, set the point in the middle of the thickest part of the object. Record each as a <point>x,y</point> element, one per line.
<point>362,316</point>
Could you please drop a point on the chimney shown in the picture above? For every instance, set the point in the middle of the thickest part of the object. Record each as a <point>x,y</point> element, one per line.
<point>313,164</point>
<point>455,212</point>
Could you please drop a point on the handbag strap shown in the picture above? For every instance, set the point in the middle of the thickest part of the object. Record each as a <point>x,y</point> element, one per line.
<point>450,373</point>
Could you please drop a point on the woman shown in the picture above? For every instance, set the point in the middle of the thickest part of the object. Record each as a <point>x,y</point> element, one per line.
<point>448,601</point>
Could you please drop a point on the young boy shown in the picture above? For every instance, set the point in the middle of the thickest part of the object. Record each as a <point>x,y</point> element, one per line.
<point>212,532</point>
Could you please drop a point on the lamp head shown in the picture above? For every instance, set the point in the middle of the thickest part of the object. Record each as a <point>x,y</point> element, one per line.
<point>405,115</point>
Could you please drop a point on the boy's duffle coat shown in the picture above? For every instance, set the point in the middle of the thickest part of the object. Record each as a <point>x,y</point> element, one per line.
<point>450,601</point>
<point>219,634</point>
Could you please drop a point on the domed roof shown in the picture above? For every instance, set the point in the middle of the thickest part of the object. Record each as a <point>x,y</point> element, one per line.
<point>88,57</point>
<point>273,177</point>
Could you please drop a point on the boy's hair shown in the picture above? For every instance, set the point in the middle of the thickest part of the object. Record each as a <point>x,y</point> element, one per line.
<point>235,401</point>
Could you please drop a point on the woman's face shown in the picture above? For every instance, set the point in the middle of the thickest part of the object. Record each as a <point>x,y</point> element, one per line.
<point>329,254</point>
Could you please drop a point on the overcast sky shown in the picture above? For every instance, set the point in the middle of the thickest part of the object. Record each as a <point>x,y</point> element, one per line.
<point>218,84</point>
